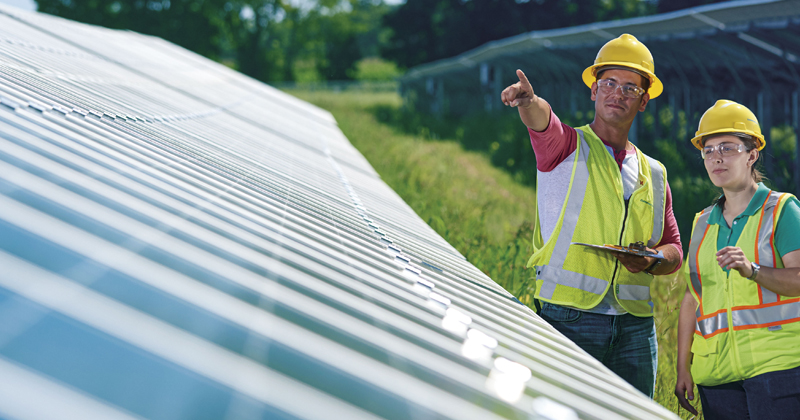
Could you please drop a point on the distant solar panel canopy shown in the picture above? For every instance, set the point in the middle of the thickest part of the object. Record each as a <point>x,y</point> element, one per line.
<point>178,241</point>
<point>745,50</point>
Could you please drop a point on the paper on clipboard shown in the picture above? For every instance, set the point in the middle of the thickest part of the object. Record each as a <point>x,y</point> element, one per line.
<point>637,249</point>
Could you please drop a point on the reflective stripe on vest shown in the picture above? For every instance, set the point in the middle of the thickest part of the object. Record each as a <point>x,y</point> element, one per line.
<point>699,233</point>
<point>765,316</point>
<point>765,254</point>
<point>657,179</point>
<point>745,318</point>
<point>771,311</point>
<point>553,273</point>
<point>715,324</point>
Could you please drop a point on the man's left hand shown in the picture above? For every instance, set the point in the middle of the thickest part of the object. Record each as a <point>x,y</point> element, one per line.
<point>635,263</point>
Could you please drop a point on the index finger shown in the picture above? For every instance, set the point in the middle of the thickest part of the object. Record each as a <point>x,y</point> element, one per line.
<point>523,79</point>
<point>726,250</point>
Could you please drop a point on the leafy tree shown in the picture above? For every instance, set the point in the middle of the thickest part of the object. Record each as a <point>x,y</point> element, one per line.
<point>341,50</point>
<point>265,38</point>
<point>376,69</point>
<point>351,30</point>
<point>193,24</point>
<point>252,29</point>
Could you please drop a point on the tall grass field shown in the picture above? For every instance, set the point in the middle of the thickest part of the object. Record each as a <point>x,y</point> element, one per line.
<point>481,210</point>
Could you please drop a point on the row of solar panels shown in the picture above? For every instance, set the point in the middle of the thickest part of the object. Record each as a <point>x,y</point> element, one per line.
<point>178,241</point>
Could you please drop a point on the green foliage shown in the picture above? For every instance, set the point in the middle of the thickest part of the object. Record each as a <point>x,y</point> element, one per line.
<point>305,71</point>
<point>375,69</point>
<point>784,144</point>
<point>270,40</point>
<point>349,34</point>
<point>257,45</point>
<point>193,24</point>
<point>339,50</point>
<point>480,209</point>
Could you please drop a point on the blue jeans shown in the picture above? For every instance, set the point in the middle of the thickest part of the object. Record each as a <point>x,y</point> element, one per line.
<point>773,396</point>
<point>626,344</point>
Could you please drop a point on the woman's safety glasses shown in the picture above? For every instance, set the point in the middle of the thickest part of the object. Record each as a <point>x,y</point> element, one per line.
<point>724,150</point>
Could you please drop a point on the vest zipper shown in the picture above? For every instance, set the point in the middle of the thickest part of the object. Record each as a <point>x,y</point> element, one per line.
<point>621,188</point>
<point>621,235</point>
<point>624,221</point>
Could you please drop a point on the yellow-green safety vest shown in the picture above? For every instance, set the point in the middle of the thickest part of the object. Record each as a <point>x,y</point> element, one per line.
<point>595,212</point>
<point>742,329</point>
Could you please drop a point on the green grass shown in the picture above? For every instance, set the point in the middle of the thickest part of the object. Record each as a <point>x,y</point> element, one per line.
<point>479,209</point>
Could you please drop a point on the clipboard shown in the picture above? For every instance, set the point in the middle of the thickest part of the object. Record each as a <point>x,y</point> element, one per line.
<point>636,248</point>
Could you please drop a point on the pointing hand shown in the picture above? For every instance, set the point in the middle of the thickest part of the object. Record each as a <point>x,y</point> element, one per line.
<point>519,94</point>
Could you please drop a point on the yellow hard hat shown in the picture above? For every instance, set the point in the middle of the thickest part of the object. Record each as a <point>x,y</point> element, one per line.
<point>625,51</point>
<point>728,117</point>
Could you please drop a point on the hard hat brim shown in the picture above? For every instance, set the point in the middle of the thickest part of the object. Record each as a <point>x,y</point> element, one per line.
<point>760,142</point>
<point>656,88</point>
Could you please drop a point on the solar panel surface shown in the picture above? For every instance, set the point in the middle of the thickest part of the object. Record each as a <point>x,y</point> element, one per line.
<point>178,241</point>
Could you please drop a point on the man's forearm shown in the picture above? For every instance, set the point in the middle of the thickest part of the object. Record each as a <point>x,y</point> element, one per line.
<point>537,115</point>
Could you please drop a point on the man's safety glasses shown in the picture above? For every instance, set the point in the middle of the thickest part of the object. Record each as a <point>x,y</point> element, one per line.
<point>724,150</point>
<point>609,86</point>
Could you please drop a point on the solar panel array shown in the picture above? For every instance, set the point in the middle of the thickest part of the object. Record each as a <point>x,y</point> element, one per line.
<point>178,241</point>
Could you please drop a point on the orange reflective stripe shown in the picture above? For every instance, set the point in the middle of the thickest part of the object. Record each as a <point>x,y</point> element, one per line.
<point>766,305</point>
<point>712,334</point>
<point>703,317</point>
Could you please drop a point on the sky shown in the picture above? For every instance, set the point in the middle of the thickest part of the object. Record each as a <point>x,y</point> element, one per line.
<point>22,4</point>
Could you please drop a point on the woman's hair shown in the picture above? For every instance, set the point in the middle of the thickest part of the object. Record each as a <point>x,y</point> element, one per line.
<point>755,170</point>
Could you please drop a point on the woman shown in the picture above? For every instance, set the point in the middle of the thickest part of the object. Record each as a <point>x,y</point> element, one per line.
<point>741,343</point>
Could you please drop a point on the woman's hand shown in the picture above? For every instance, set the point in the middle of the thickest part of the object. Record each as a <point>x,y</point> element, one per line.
<point>684,386</point>
<point>732,258</point>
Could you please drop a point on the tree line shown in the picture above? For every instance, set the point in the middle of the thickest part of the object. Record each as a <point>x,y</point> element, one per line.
<point>310,40</point>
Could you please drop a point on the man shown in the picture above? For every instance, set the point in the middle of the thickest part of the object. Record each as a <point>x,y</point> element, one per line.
<point>595,187</point>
